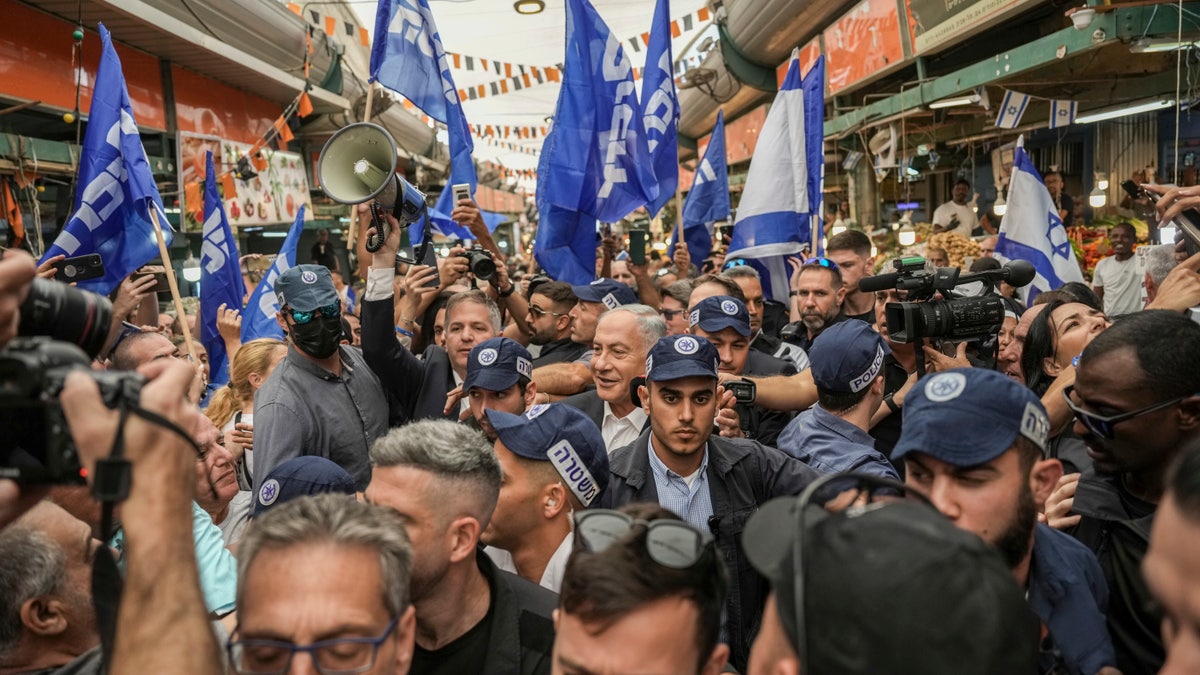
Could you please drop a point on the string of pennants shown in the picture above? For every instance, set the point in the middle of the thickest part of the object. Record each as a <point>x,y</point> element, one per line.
<point>330,24</point>
<point>501,131</point>
<point>512,147</point>
<point>1014,105</point>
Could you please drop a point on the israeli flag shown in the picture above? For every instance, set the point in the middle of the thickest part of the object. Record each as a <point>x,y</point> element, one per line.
<point>116,189</point>
<point>220,276</point>
<point>1062,113</point>
<point>595,164</point>
<point>783,186</point>
<point>660,108</point>
<point>407,57</point>
<point>1032,230</point>
<point>708,200</point>
<point>258,319</point>
<point>1011,109</point>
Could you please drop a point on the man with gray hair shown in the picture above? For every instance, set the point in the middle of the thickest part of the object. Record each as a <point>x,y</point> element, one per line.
<point>47,623</point>
<point>329,576</point>
<point>623,338</point>
<point>444,479</point>
<point>1160,260</point>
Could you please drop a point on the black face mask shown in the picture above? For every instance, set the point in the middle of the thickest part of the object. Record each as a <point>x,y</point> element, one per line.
<point>319,337</point>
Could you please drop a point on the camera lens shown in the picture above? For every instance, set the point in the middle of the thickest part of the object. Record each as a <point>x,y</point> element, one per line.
<point>63,312</point>
<point>482,265</point>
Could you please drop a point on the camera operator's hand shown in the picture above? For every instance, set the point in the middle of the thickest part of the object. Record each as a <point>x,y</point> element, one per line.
<point>728,420</point>
<point>16,275</point>
<point>454,267</point>
<point>46,269</point>
<point>937,362</point>
<point>1181,288</point>
<point>417,296</point>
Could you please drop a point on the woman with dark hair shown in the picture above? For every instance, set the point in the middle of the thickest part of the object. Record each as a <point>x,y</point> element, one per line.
<point>1055,338</point>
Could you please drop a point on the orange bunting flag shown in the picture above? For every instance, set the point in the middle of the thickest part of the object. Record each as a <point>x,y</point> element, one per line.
<point>295,8</point>
<point>330,25</point>
<point>228,186</point>
<point>285,133</point>
<point>259,162</point>
<point>191,195</point>
<point>364,37</point>
<point>305,107</point>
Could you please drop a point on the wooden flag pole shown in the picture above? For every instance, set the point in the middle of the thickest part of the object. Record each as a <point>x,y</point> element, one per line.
<point>178,301</point>
<point>679,215</point>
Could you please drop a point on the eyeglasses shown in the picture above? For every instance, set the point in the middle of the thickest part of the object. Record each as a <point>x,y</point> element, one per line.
<point>670,314</point>
<point>327,311</point>
<point>341,656</point>
<point>823,262</point>
<point>538,312</point>
<point>670,543</point>
<point>1102,425</point>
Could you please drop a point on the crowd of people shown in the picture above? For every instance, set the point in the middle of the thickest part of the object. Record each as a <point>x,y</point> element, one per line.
<point>661,471</point>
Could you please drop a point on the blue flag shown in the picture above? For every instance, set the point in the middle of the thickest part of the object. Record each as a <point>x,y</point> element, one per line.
<point>782,194</point>
<point>407,57</point>
<point>708,200</point>
<point>595,164</point>
<point>116,189</point>
<point>660,108</point>
<point>814,129</point>
<point>220,277</point>
<point>258,320</point>
<point>1032,230</point>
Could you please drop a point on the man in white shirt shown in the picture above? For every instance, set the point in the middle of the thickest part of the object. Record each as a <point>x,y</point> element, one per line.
<point>554,464</point>
<point>956,214</point>
<point>1118,278</point>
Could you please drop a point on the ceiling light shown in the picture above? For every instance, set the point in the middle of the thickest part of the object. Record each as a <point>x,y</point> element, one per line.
<point>1097,199</point>
<point>1101,180</point>
<point>1000,206</point>
<point>1112,113</point>
<point>907,236</point>
<point>968,99</point>
<point>529,6</point>
<point>1152,45</point>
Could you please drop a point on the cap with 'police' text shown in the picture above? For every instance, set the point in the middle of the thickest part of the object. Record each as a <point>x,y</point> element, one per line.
<point>609,292</point>
<point>678,356</point>
<point>306,288</point>
<point>847,357</point>
<point>719,312</point>
<point>497,364</point>
<point>562,435</point>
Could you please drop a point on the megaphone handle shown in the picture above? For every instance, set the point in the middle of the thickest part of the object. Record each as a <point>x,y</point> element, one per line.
<point>378,234</point>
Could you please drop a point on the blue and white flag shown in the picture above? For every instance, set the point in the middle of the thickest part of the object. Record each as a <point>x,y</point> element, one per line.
<point>1032,230</point>
<point>782,191</point>
<point>595,164</point>
<point>814,128</point>
<point>660,108</point>
<point>1062,113</point>
<point>116,189</point>
<point>1011,109</point>
<point>407,57</point>
<point>258,319</point>
<point>220,276</point>
<point>708,200</point>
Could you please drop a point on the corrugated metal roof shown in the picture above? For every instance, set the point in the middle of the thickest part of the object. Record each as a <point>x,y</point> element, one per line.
<point>154,30</point>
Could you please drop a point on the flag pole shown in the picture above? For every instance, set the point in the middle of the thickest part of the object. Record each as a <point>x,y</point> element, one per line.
<point>679,214</point>
<point>162,251</point>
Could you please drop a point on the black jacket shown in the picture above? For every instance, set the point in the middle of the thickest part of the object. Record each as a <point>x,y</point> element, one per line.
<point>522,639</point>
<point>559,351</point>
<point>591,404</point>
<point>416,388</point>
<point>742,475</point>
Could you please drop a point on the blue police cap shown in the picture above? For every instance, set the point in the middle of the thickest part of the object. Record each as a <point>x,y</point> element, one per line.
<point>678,356</point>
<point>562,435</point>
<point>847,357</point>
<point>497,364</point>
<point>969,416</point>
<point>306,288</point>
<point>719,312</point>
<point>298,477</point>
<point>609,292</point>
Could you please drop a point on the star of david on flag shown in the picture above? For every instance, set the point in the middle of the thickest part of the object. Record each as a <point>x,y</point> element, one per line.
<point>1011,109</point>
<point>1062,113</point>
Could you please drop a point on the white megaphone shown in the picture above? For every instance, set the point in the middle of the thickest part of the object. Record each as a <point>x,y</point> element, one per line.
<point>357,165</point>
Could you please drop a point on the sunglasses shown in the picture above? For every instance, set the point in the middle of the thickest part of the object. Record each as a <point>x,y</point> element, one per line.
<point>538,312</point>
<point>736,262</point>
<point>670,543</point>
<point>670,314</point>
<point>1102,425</point>
<point>823,262</point>
<point>302,318</point>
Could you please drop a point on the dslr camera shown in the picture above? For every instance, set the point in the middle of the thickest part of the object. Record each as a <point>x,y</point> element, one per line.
<point>61,329</point>
<point>959,315</point>
<point>481,262</point>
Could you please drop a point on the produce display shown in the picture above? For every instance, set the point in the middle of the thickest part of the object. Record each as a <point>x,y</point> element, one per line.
<point>957,247</point>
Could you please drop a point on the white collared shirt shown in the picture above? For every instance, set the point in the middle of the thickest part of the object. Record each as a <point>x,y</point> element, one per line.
<point>553,575</point>
<point>465,402</point>
<point>621,431</point>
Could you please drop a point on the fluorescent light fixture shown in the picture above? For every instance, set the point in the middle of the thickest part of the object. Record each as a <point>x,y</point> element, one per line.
<point>274,235</point>
<point>1153,45</point>
<point>1124,111</point>
<point>967,99</point>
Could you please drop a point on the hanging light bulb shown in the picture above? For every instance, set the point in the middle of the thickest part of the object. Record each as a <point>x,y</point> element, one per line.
<point>1097,198</point>
<point>1101,180</point>
<point>907,235</point>
<point>191,268</point>
<point>1000,206</point>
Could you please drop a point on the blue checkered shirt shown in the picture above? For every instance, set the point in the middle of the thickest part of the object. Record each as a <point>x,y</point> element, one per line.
<point>692,503</point>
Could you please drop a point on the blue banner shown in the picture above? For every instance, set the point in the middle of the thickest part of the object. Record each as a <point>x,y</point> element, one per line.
<point>814,130</point>
<point>708,200</point>
<point>1032,230</point>
<point>595,164</point>
<point>220,276</point>
<point>407,57</point>
<point>115,187</point>
<point>258,319</point>
<point>660,108</point>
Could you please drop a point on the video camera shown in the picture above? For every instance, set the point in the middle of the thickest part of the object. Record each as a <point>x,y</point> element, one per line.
<point>61,329</point>
<point>957,316</point>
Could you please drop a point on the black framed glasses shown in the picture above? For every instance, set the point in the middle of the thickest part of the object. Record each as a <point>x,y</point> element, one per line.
<point>340,656</point>
<point>538,312</point>
<point>823,262</point>
<point>299,317</point>
<point>670,543</point>
<point>1102,425</point>
<point>670,314</point>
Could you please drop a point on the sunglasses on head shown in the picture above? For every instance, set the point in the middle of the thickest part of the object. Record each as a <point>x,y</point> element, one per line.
<point>823,262</point>
<point>736,262</point>
<point>299,317</point>
<point>670,543</point>
<point>1102,425</point>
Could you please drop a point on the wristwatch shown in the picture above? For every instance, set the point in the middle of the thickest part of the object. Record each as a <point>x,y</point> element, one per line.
<point>890,402</point>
